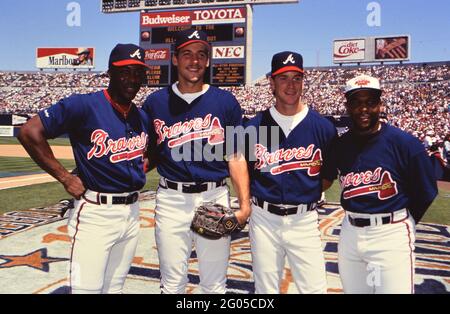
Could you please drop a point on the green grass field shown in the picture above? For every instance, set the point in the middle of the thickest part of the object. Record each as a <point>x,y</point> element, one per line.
<point>22,166</point>
<point>45,194</point>
<point>15,141</point>
<point>50,193</point>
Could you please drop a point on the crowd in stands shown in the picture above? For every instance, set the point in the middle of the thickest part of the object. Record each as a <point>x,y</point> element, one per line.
<point>416,96</point>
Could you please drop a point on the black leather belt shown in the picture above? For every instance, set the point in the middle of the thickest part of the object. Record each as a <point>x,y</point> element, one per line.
<point>192,187</point>
<point>284,210</point>
<point>364,222</point>
<point>129,199</point>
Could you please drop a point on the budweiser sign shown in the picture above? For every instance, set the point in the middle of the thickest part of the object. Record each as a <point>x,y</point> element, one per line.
<point>157,54</point>
<point>349,50</point>
<point>166,18</point>
<point>194,17</point>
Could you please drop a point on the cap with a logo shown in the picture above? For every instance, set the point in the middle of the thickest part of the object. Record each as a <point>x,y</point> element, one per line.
<point>362,82</point>
<point>126,54</point>
<point>190,36</point>
<point>286,61</point>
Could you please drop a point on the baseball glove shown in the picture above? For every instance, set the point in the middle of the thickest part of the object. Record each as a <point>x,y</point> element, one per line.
<point>214,221</point>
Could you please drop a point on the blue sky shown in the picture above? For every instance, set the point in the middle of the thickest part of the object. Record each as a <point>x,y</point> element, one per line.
<point>308,27</point>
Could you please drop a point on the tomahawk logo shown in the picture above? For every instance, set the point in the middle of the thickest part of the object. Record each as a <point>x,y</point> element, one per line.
<point>214,134</point>
<point>312,165</point>
<point>290,59</point>
<point>304,158</point>
<point>194,34</point>
<point>385,188</point>
<point>137,54</point>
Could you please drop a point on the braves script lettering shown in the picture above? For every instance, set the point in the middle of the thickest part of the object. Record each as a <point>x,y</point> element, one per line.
<point>183,132</point>
<point>306,158</point>
<point>121,149</point>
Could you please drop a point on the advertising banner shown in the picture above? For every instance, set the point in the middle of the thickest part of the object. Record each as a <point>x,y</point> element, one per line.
<point>65,58</point>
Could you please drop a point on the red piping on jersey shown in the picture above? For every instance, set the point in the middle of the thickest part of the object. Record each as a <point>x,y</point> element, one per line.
<point>73,245</point>
<point>410,257</point>
<point>116,105</point>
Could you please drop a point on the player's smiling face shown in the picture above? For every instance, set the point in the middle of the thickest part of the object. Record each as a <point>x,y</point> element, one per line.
<point>126,82</point>
<point>192,62</point>
<point>364,108</point>
<point>287,88</point>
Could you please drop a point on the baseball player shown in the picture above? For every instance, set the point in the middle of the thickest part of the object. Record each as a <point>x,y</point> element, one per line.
<point>285,170</point>
<point>189,122</point>
<point>108,134</point>
<point>387,185</point>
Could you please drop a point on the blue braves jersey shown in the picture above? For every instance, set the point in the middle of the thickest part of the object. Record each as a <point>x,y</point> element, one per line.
<point>288,172</point>
<point>383,173</point>
<point>108,148</point>
<point>190,138</point>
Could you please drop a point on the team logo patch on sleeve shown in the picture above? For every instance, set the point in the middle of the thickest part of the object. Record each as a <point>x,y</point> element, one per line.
<point>364,183</point>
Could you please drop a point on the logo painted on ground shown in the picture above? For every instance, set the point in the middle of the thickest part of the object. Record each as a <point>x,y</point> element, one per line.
<point>34,255</point>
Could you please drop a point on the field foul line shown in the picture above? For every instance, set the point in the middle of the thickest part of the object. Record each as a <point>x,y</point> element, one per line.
<point>29,181</point>
<point>25,179</point>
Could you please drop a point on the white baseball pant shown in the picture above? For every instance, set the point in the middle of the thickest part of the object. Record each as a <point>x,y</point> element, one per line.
<point>297,237</point>
<point>104,240</point>
<point>378,258</point>
<point>174,238</point>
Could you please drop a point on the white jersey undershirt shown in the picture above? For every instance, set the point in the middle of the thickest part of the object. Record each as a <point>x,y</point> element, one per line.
<point>288,123</point>
<point>189,97</point>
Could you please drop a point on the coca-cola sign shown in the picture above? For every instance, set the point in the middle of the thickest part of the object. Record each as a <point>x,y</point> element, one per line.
<point>349,50</point>
<point>157,54</point>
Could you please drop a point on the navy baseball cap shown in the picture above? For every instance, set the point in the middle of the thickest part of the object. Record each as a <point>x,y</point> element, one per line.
<point>126,54</point>
<point>190,36</point>
<point>286,61</point>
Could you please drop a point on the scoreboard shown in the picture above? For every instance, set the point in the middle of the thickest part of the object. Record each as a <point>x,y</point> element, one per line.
<point>226,30</point>
<point>118,6</point>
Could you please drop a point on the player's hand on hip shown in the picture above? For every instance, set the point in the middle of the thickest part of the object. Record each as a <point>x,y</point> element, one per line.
<point>74,186</point>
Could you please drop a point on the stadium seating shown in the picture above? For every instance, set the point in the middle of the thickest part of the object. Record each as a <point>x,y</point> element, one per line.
<point>416,96</point>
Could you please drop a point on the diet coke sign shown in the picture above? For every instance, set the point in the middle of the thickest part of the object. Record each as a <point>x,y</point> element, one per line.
<point>345,50</point>
<point>157,54</point>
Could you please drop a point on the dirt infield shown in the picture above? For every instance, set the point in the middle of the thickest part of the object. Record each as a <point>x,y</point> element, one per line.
<point>61,152</point>
<point>444,185</point>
